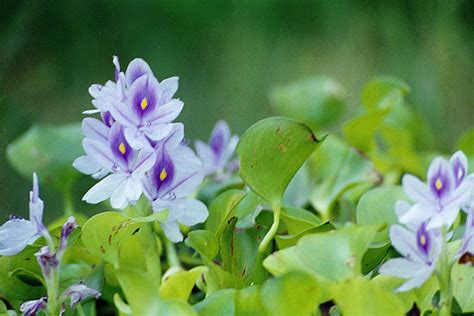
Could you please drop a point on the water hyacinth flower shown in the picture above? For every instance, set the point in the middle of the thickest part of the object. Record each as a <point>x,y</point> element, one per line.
<point>47,260</point>
<point>447,190</point>
<point>127,165</point>
<point>146,112</point>
<point>17,232</point>
<point>420,251</point>
<point>78,293</point>
<point>467,246</point>
<point>30,308</point>
<point>176,175</point>
<point>218,153</point>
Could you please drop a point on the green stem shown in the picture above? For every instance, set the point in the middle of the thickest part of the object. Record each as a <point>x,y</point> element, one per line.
<point>68,203</point>
<point>273,229</point>
<point>444,278</point>
<point>54,305</point>
<point>171,254</point>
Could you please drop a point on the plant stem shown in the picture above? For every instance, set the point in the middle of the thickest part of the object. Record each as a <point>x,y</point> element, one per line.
<point>53,292</point>
<point>444,278</point>
<point>273,229</point>
<point>171,254</point>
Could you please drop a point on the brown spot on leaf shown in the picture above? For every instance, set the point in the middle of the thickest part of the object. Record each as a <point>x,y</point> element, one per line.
<point>467,258</point>
<point>282,148</point>
<point>136,231</point>
<point>102,249</point>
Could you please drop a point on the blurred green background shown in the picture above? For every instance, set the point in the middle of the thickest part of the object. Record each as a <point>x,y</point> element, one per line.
<point>228,55</point>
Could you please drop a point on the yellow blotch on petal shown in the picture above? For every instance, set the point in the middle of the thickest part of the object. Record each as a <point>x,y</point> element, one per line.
<point>122,148</point>
<point>163,174</point>
<point>144,103</point>
<point>422,240</point>
<point>438,184</point>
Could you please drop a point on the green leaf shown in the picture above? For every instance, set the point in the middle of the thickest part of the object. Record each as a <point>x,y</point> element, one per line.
<point>180,284</point>
<point>379,89</point>
<point>462,277</point>
<point>373,257</point>
<point>271,152</point>
<point>377,207</point>
<point>338,167</point>
<point>361,297</point>
<point>317,101</point>
<point>14,287</point>
<point>219,303</point>
<point>114,238</point>
<point>204,242</point>
<point>248,302</point>
<point>221,210</point>
<point>285,241</point>
<point>295,293</point>
<point>331,256</point>
<point>298,220</point>
<point>49,151</point>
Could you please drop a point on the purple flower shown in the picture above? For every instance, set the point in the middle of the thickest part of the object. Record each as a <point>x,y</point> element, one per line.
<point>176,175</point>
<point>126,164</point>
<point>445,193</point>
<point>30,308</point>
<point>217,154</point>
<point>467,246</point>
<point>78,293</point>
<point>420,251</point>
<point>96,130</point>
<point>67,229</point>
<point>17,233</point>
<point>146,112</point>
<point>47,260</point>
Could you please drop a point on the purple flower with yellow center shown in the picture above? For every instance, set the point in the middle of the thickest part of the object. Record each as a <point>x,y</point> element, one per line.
<point>438,202</point>
<point>218,153</point>
<point>127,165</point>
<point>176,175</point>
<point>420,251</point>
<point>96,130</point>
<point>30,308</point>
<point>17,233</point>
<point>146,113</point>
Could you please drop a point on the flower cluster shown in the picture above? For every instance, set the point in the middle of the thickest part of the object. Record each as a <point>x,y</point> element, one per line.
<point>427,221</point>
<point>17,233</point>
<point>136,148</point>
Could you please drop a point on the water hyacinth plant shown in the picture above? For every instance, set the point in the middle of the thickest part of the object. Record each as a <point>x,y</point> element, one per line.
<point>283,220</point>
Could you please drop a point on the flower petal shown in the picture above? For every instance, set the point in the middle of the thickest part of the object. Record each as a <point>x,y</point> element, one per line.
<point>166,113</point>
<point>168,88</point>
<point>86,165</point>
<point>101,154</point>
<point>15,235</point>
<point>137,68</point>
<point>95,129</point>
<point>416,189</point>
<point>123,114</point>
<point>159,131</point>
<point>194,212</point>
<point>401,267</point>
<point>417,214</point>
<point>404,241</point>
<point>459,165</point>
<point>172,231</point>
<point>417,281</point>
<point>104,189</point>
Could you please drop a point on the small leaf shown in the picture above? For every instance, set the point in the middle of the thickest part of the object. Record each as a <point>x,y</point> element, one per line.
<point>361,297</point>
<point>377,207</point>
<point>271,152</point>
<point>285,241</point>
<point>204,242</point>
<point>462,277</point>
<point>221,210</point>
<point>180,284</point>
<point>295,293</point>
<point>218,303</point>
<point>317,101</point>
<point>298,220</point>
<point>379,89</point>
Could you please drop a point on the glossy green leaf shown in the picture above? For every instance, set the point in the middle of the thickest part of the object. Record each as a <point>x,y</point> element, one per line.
<point>271,152</point>
<point>221,210</point>
<point>338,167</point>
<point>108,235</point>
<point>12,285</point>
<point>180,284</point>
<point>49,151</point>
<point>295,293</point>
<point>297,220</point>
<point>317,101</point>
<point>219,303</point>
<point>332,256</point>
<point>204,242</point>
<point>285,241</point>
<point>377,207</point>
<point>462,277</point>
<point>361,297</point>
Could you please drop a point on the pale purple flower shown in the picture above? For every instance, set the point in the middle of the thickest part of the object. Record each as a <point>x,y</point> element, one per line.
<point>78,293</point>
<point>420,251</point>
<point>67,229</point>
<point>176,175</point>
<point>30,308</point>
<point>438,202</point>
<point>47,260</point>
<point>217,155</point>
<point>17,232</point>
<point>467,245</point>
<point>126,164</point>
<point>146,113</point>
<point>96,130</point>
